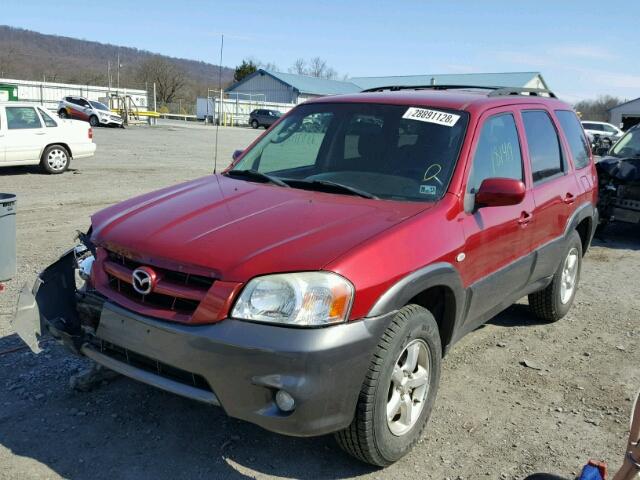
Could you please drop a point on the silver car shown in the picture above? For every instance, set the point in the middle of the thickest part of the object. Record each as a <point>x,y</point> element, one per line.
<point>96,113</point>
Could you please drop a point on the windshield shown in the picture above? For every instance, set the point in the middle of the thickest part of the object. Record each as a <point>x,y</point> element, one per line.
<point>98,105</point>
<point>389,151</point>
<point>628,145</point>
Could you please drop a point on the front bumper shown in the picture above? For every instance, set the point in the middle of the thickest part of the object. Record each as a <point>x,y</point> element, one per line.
<point>235,364</point>
<point>111,121</point>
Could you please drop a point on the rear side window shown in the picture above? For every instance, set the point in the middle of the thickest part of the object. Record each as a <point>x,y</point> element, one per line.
<point>48,121</point>
<point>498,152</point>
<point>577,141</point>
<point>544,146</point>
<point>19,118</point>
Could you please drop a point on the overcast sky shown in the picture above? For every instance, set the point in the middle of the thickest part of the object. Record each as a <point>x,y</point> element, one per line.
<point>583,48</point>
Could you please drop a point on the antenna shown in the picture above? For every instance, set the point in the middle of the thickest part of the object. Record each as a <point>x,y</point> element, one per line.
<point>215,152</point>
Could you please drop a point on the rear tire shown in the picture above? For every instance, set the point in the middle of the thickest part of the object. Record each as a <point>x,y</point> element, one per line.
<point>254,124</point>
<point>55,159</point>
<point>396,398</point>
<point>93,121</point>
<point>553,303</point>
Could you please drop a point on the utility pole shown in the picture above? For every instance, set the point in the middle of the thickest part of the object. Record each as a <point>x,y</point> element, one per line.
<point>220,83</point>
<point>109,75</point>
<point>118,71</point>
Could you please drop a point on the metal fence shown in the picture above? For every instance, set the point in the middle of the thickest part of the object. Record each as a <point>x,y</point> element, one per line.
<point>48,94</point>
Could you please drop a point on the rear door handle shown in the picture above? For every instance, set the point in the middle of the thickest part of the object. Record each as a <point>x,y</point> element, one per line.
<point>525,218</point>
<point>569,199</point>
<point>40,133</point>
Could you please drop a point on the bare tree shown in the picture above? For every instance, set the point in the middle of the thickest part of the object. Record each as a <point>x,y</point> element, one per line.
<point>317,67</point>
<point>598,109</point>
<point>168,78</point>
<point>6,63</point>
<point>299,67</point>
<point>271,66</point>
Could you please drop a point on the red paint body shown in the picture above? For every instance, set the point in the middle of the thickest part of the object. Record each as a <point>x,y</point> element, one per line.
<point>232,230</point>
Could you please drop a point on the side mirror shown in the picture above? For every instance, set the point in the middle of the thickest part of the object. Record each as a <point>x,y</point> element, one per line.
<point>499,192</point>
<point>236,154</point>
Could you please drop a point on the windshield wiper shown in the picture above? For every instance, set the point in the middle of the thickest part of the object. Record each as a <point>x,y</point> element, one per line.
<point>256,175</point>
<point>337,186</point>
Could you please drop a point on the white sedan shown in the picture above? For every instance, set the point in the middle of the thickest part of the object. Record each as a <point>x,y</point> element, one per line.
<point>30,135</point>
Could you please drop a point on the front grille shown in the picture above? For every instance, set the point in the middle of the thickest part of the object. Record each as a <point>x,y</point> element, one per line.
<point>178,292</point>
<point>151,365</point>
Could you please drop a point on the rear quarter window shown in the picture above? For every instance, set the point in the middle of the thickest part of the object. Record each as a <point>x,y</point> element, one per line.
<point>575,137</point>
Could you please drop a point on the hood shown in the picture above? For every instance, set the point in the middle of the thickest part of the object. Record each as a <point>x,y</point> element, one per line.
<point>234,229</point>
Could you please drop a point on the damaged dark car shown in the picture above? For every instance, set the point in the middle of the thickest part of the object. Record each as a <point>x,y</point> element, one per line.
<point>619,181</point>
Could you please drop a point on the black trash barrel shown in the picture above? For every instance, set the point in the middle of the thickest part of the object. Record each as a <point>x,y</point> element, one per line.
<point>7,236</point>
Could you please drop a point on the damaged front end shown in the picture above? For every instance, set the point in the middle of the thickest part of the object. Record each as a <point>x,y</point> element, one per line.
<point>619,189</point>
<point>60,303</point>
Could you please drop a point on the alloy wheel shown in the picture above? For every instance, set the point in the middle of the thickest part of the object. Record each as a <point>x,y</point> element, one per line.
<point>409,387</point>
<point>569,275</point>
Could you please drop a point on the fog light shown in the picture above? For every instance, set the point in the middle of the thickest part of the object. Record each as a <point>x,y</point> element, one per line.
<point>284,401</point>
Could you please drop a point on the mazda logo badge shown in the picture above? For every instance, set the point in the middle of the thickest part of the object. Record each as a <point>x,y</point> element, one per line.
<point>143,280</point>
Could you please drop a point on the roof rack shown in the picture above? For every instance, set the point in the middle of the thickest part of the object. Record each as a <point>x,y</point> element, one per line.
<point>534,92</point>
<point>494,91</point>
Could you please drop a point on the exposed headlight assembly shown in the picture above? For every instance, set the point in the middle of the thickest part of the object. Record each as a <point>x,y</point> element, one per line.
<point>304,299</point>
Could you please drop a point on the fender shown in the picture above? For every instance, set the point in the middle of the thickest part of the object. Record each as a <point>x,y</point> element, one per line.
<point>586,210</point>
<point>439,274</point>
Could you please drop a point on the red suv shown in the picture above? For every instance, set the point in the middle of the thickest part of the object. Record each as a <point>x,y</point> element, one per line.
<point>314,286</point>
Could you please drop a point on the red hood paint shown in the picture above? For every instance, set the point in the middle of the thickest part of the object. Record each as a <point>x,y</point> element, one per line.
<point>234,230</point>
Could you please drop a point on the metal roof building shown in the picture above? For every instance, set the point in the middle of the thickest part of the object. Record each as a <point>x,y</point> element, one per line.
<point>288,87</point>
<point>281,87</point>
<point>626,114</point>
<point>507,79</point>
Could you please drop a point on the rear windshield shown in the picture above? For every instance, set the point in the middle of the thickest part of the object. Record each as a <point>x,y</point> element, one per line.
<point>390,151</point>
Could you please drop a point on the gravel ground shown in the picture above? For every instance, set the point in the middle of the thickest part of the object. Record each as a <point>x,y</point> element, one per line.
<point>494,416</point>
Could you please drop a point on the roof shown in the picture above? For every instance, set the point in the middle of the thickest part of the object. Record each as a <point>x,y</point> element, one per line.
<point>515,79</point>
<point>305,83</point>
<point>624,103</point>
<point>454,99</point>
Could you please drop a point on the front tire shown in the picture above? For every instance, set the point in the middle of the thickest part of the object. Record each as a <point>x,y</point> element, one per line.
<point>254,124</point>
<point>554,302</point>
<point>63,113</point>
<point>55,159</point>
<point>398,392</point>
<point>93,121</point>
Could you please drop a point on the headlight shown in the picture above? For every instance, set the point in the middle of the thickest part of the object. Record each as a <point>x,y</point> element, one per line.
<point>84,264</point>
<point>306,299</point>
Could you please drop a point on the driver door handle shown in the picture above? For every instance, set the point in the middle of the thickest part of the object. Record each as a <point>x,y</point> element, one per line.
<point>525,218</point>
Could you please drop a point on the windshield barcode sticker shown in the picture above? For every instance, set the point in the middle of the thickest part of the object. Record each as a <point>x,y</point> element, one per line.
<point>431,116</point>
